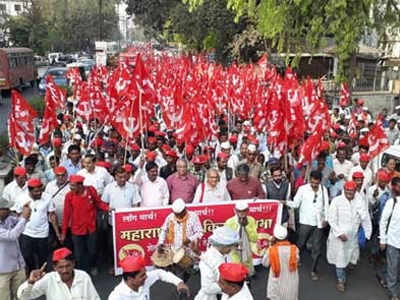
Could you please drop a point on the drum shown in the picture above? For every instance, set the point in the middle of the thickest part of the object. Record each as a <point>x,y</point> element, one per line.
<point>162,259</point>
<point>183,259</point>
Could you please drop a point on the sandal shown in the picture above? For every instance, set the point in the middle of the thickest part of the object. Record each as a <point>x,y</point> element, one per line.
<point>381,282</point>
<point>314,276</point>
<point>340,286</point>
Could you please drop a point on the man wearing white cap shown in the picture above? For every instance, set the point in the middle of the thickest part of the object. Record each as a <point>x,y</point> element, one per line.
<point>246,227</point>
<point>222,241</point>
<point>282,258</point>
<point>182,228</point>
<point>233,160</point>
<point>251,161</point>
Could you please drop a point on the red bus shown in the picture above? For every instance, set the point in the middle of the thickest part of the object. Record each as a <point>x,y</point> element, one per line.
<point>17,68</point>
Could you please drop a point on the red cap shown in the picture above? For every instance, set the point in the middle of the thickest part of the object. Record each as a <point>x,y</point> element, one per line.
<point>199,159</point>
<point>363,142</point>
<point>223,155</point>
<point>233,139</point>
<point>152,128</point>
<point>34,182</point>
<point>152,140</point>
<point>172,153</point>
<point>165,147</point>
<point>159,133</point>
<point>342,145</point>
<point>350,185</point>
<point>61,253</point>
<point>57,142</point>
<point>151,155</point>
<point>98,142</point>
<point>364,157</point>
<point>358,175</point>
<point>19,171</point>
<point>67,117</point>
<point>134,147</point>
<point>189,149</point>
<point>60,170</point>
<point>103,164</point>
<point>132,263</point>
<point>76,179</point>
<point>324,146</point>
<point>383,176</point>
<point>360,101</point>
<point>333,134</point>
<point>128,168</point>
<point>233,272</point>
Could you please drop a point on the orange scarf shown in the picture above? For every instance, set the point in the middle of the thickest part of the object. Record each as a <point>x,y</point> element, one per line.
<point>171,228</point>
<point>275,260</point>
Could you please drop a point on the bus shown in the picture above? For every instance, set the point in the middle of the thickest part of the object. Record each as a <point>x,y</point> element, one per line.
<point>17,68</point>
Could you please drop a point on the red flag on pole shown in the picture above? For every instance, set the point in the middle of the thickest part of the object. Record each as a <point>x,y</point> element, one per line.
<point>20,124</point>
<point>344,99</point>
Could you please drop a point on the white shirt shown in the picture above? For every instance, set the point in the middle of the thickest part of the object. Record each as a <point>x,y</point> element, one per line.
<point>390,233</point>
<point>12,191</point>
<point>53,288</point>
<point>121,196</point>
<point>313,206</point>
<point>123,292</point>
<point>217,194</point>
<point>243,294</point>
<point>342,168</point>
<point>51,189</point>
<point>194,230</point>
<point>38,224</point>
<point>99,178</point>
<point>370,193</point>
<point>154,193</point>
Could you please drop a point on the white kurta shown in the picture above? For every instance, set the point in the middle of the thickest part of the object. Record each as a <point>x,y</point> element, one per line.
<point>244,294</point>
<point>286,286</point>
<point>345,217</point>
<point>209,274</point>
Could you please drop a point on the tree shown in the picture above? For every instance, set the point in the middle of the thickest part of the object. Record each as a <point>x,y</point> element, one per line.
<point>305,25</point>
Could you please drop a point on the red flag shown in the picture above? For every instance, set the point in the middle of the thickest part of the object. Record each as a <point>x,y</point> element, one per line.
<point>377,139</point>
<point>311,148</point>
<point>344,99</point>
<point>54,94</point>
<point>352,129</point>
<point>49,123</point>
<point>20,124</point>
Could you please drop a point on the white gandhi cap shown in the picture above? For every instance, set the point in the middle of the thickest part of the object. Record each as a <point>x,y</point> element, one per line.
<point>178,206</point>
<point>280,232</point>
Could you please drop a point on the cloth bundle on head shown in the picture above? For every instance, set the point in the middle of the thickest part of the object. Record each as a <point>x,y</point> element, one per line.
<point>132,263</point>
<point>60,254</point>
<point>225,236</point>
<point>233,272</point>
<point>178,206</point>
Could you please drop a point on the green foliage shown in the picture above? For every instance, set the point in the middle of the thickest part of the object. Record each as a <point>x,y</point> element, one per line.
<point>37,103</point>
<point>66,26</point>
<point>295,26</point>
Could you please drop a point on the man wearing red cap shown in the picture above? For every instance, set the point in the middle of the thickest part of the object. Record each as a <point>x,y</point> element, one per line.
<point>171,158</point>
<point>136,282</point>
<point>17,186</point>
<point>363,167</point>
<point>182,184</point>
<point>198,167</point>
<point>34,239</point>
<point>225,173</point>
<point>213,190</point>
<point>345,215</point>
<point>232,277</point>
<point>65,282</point>
<point>57,189</point>
<point>80,210</point>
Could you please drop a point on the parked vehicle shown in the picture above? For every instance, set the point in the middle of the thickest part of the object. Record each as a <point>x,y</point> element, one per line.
<point>17,68</point>
<point>54,57</point>
<point>59,76</point>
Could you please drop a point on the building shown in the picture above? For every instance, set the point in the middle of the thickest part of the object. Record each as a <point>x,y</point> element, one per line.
<point>12,7</point>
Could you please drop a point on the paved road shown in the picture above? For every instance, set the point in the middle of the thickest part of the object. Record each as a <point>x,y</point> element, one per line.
<point>362,284</point>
